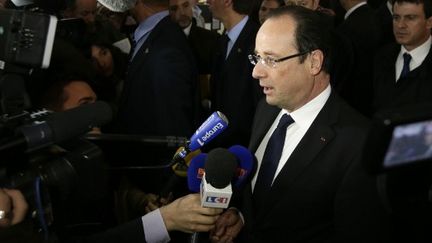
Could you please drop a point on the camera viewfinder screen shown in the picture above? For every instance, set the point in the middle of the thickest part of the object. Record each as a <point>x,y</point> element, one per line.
<point>409,143</point>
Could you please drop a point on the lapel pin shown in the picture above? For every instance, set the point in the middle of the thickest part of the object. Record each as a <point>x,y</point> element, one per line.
<point>146,51</point>
<point>323,139</point>
<point>239,50</point>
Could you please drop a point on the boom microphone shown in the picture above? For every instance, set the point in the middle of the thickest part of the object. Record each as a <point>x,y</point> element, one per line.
<point>61,126</point>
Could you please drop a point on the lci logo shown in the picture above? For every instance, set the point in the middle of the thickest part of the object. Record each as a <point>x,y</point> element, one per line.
<point>210,199</point>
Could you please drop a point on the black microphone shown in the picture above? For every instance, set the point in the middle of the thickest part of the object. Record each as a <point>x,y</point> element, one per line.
<point>216,190</point>
<point>60,127</point>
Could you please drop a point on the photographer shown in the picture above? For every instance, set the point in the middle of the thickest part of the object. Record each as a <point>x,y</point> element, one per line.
<point>184,214</point>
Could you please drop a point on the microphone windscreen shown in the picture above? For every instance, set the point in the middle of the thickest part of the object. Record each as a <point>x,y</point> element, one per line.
<point>118,5</point>
<point>196,172</point>
<point>245,161</point>
<point>77,121</point>
<point>220,167</point>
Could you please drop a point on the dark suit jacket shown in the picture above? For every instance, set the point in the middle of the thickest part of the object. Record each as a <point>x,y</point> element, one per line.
<point>414,88</point>
<point>386,24</point>
<point>159,96</point>
<point>234,92</point>
<point>363,29</point>
<point>322,194</point>
<point>203,43</point>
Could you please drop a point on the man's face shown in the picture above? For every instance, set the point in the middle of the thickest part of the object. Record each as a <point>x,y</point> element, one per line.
<point>216,7</point>
<point>86,10</point>
<point>410,26</point>
<point>265,8</point>
<point>181,12</point>
<point>78,93</point>
<point>289,84</point>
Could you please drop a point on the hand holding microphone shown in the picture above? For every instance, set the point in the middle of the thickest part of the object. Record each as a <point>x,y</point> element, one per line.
<point>186,214</point>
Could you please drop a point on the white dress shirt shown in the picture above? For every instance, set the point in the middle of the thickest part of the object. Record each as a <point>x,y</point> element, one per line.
<point>417,57</point>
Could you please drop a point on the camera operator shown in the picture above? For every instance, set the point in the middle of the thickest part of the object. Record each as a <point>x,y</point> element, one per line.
<point>184,214</point>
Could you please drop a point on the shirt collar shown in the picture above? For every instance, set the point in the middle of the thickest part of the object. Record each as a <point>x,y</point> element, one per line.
<point>419,53</point>
<point>305,115</point>
<point>349,12</point>
<point>188,29</point>
<point>389,7</point>
<point>148,24</point>
<point>234,32</point>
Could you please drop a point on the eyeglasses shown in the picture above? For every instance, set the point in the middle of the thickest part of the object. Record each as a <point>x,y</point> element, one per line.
<point>271,62</point>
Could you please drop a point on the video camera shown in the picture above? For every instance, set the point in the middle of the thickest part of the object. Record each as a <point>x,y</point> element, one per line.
<point>399,152</point>
<point>400,139</point>
<point>42,153</point>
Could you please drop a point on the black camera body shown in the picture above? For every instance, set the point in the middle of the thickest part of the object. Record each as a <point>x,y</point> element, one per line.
<point>399,152</point>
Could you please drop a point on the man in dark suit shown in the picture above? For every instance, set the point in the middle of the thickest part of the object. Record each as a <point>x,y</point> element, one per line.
<point>202,41</point>
<point>396,84</point>
<point>402,83</point>
<point>310,185</point>
<point>234,92</point>
<point>362,28</point>
<point>159,96</point>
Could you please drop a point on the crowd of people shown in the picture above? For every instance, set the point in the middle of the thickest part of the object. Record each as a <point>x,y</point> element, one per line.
<point>299,80</point>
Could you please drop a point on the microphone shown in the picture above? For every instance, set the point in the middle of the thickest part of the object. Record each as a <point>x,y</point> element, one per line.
<point>245,160</point>
<point>245,163</point>
<point>219,170</point>
<point>212,127</point>
<point>217,167</point>
<point>61,126</point>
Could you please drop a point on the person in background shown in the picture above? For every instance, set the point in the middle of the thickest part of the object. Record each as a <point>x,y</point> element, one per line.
<point>83,9</point>
<point>234,92</point>
<point>202,43</point>
<point>268,5</point>
<point>311,4</point>
<point>196,12</point>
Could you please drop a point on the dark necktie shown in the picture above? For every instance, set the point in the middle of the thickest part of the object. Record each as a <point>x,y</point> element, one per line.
<point>271,158</point>
<point>133,46</point>
<point>406,67</point>
<point>224,45</point>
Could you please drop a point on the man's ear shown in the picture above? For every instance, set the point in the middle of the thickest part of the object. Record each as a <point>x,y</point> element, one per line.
<point>429,23</point>
<point>316,61</point>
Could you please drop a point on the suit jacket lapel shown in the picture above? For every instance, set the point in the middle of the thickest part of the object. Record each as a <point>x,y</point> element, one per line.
<point>264,118</point>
